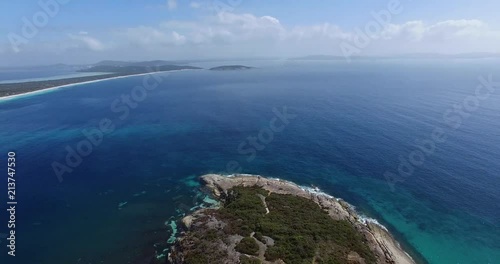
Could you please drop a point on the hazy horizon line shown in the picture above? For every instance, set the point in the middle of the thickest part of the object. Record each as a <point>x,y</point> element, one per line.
<point>418,55</point>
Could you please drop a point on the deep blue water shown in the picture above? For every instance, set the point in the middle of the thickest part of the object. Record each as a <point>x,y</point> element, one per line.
<point>353,122</point>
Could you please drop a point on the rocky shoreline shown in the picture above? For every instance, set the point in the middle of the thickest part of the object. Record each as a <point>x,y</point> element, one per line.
<point>385,248</point>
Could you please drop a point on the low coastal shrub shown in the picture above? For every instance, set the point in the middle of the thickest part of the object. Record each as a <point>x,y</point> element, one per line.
<point>302,231</point>
<point>258,236</point>
<point>247,246</point>
<point>207,249</point>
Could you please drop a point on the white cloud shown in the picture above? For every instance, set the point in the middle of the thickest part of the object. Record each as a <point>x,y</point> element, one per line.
<point>148,36</point>
<point>226,28</point>
<point>230,34</point>
<point>323,31</point>
<point>195,5</point>
<point>413,31</point>
<point>171,4</point>
<point>449,29</point>
<point>458,28</point>
<point>449,36</point>
<point>82,39</point>
<point>178,38</point>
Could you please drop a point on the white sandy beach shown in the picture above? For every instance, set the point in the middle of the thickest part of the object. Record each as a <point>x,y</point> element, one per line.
<point>51,89</point>
<point>54,77</point>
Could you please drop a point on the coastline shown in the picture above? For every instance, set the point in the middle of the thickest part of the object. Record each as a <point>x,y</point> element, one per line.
<point>381,242</point>
<point>55,77</point>
<point>51,89</point>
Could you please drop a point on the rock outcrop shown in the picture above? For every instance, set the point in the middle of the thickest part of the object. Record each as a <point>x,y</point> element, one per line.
<point>385,248</point>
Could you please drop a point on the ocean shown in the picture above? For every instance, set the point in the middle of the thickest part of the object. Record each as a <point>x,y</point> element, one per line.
<point>414,144</point>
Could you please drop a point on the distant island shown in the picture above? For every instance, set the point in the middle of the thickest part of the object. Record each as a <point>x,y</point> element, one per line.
<point>231,68</point>
<point>263,220</point>
<point>106,70</point>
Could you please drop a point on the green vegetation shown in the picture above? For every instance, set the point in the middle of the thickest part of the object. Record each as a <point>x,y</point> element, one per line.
<point>258,236</point>
<point>247,260</point>
<point>302,231</point>
<point>247,246</point>
<point>207,248</point>
<point>7,89</point>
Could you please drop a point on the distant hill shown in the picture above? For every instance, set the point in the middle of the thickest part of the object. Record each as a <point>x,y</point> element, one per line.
<point>479,55</point>
<point>231,68</point>
<point>152,63</point>
<point>112,63</point>
<point>474,55</point>
<point>155,63</point>
<point>137,68</point>
<point>319,57</point>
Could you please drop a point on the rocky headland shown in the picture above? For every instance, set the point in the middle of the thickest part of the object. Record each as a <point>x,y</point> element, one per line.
<point>263,220</point>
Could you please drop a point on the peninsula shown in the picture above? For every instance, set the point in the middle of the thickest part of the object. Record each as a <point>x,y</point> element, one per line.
<point>10,89</point>
<point>105,70</point>
<point>262,220</point>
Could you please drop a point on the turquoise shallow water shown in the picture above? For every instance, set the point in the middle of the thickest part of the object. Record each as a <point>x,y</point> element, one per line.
<point>352,124</point>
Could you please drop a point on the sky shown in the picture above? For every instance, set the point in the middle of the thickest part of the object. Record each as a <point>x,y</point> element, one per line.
<point>37,32</point>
